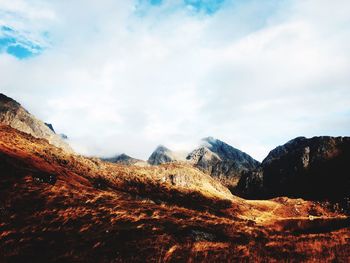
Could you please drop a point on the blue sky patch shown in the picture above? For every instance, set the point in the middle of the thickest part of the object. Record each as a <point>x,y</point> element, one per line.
<point>206,6</point>
<point>19,51</point>
<point>13,43</point>
<point>6,41</point>
<point>155,2</point>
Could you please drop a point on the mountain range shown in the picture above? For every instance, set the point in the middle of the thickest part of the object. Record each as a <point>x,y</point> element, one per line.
<point>217,204</point>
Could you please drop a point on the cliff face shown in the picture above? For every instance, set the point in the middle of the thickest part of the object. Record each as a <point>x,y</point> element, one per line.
<point>316,168</point>
<point>222,161</point>
<point>14,115</point>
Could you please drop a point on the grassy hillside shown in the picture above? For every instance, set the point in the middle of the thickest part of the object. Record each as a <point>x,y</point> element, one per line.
<point>60,207</point>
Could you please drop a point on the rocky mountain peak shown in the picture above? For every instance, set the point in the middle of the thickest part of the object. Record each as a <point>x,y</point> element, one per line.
<point>162,149</point>
<point>14,115</point>
<point>221,160</point>
<point>226,151</point>
<point>202,154</point>
<point>161,155</point>
<point>125,160</point>
<point>124,156</point>
<point>118,158</point>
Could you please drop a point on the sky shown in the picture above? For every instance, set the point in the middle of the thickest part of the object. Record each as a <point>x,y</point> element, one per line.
<point>127,75</point>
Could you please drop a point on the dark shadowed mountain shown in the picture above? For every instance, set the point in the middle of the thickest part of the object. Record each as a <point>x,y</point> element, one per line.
<point>221,160</point>
<point>316,168</point>
<point>14,115</point>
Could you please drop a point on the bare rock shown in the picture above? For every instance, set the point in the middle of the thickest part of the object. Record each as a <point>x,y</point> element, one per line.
<point>14,115</point>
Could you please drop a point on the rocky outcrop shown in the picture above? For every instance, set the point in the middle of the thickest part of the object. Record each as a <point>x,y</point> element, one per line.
<point>204,159</point>
<point>126,160</point>
<point>50,126</point>
<point>316,168</point>
<point>162,155</point>
<point>221,160</point>
<point>14,115</point>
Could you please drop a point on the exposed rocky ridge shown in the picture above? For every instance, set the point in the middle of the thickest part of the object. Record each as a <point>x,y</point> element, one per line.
<point>162,155</point>
<point>13,114</point>
<point>221,160</point>
<point>125,160</point>
<point>204,158</point>
<point>316,168</point>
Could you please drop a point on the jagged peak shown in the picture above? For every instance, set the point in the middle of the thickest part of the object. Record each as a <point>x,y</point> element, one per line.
<point>202,152</point>
<point>211,142</point>
<point>223,151</point>
<point>123,158</point>
<point>162,148</point>
<point>161,155</point>
<point>50,126</point>
<point>123,155</point>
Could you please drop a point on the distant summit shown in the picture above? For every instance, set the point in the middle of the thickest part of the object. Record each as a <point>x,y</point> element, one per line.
<point>227,152</point>
<point>162,155</point>
<point>126,160</point>
<point>213,157</point>
<point>221,160</point>
<point>14,115</point>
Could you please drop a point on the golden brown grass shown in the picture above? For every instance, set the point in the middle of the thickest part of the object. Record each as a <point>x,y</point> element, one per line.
<point>58,207</point>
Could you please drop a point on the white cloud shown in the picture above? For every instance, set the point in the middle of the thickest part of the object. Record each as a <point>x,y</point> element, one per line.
<point>117,80</point>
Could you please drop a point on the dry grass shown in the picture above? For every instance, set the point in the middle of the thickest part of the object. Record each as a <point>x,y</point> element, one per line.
<point>58,207</point>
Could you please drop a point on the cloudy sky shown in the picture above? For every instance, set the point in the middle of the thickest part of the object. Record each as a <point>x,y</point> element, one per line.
<point>126,75</point>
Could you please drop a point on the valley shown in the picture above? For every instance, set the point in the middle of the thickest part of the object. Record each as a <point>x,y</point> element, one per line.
<point>59,206</point>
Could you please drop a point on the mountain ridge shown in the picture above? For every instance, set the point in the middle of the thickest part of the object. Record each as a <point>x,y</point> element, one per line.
<point>312,168</point>
<point>14,115</point>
